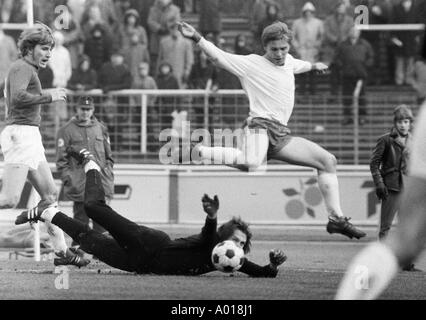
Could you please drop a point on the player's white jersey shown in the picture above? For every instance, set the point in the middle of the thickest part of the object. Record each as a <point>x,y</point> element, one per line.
<point>270,88</point>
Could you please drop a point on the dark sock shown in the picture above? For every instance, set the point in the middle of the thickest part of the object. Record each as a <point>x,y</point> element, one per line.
<point>94,190</point>
<point>70,226</point>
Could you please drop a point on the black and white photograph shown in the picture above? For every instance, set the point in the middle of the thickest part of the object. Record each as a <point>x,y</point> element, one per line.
<point>212,158</point>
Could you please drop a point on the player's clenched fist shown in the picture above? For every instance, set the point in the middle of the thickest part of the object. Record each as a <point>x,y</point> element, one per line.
<point>276,257</point>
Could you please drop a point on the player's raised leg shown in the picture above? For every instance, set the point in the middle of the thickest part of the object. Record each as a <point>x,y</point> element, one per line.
<point>250,157</point>
<point>300,151</point>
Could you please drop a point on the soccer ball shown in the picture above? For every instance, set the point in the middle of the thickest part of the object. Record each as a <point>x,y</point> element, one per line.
<point>227,256</point>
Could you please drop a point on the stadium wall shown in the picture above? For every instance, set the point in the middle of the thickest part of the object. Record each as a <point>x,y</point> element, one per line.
<point>286,195</point>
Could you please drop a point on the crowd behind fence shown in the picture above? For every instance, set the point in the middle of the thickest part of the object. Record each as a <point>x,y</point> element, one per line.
<point>136,118</point>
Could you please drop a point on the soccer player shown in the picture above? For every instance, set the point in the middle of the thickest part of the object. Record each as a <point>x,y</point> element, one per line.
<point>140,249</point>
<point>269,83</point>
<point>21,141</point>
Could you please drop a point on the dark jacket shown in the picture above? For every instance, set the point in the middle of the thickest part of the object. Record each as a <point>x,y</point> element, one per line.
<point>93,137</point>
<point>388,161</point>
<point>354,59</point>
<point>98,49</point>
<point>408,38</point>
<point>114,77</point>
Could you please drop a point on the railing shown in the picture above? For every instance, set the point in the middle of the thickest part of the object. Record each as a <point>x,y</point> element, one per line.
<point>136,118</point>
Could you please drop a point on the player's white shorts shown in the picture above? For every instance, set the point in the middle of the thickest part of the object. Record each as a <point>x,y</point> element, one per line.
<point>22,144</point>
<point>417,166</point>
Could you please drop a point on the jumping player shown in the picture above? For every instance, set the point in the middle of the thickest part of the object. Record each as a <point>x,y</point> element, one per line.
<point>142,250</point>
<point>382,260</point>
<point>21,141</point>
<point>269,83</point>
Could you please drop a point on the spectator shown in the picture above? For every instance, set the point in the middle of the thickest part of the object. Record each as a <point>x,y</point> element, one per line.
<point>418,79</point>
<point>378,13</point>
<point>94,18</point>
<point>272,14</point>
<point>73,39</point>
<point>145,82</point>
<point>135,53</point>
<point>114,75</point>
<point>240,46</point>
<point>60,63</point>
<point>166,78</point>
<point>85,131</point>
<point>107,13</point>
<point>336,30</point>
<point>354,56</point>
<point>84,78</point>
<point>143,8</point>
<point>8,54</point>
<point>388,166</point>
<point>178,52</point>
<point>404,42</point>
<point>166,81</point>
<point>308,33</point>
<point>98,46</point>
<point>210,20</point>
<point>130,27</point>
<point>257,15</point>
<point>160,15</point>
<point>201,72</point>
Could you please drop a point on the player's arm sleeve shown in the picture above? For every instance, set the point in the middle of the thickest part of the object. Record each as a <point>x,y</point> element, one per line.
<point>376,160</point>
<point>19,78</point>
<point>236,64</point>
<point>208,232</point>
<point>300,66</point>
<point>62,161</point>
<point>254,270</point>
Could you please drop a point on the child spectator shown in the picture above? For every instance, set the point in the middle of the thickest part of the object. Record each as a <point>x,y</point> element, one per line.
<point>130,27</point>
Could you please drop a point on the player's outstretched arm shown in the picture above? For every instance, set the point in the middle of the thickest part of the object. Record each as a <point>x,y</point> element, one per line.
<point>236,64</point>
<point>276,258</point>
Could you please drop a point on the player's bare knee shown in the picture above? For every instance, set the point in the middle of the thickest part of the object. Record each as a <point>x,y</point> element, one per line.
<point>252,163</point>
<point>330,163</point>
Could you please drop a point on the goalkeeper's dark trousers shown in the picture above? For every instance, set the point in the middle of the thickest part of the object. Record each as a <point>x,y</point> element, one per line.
<point>130,247</point>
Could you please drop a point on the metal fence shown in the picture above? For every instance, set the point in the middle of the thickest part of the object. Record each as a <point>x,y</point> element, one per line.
<point>135,119</point>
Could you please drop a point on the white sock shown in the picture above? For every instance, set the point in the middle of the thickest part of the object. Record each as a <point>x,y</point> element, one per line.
<point>369,273</point>
<point>49,213</point>
<point>91,165</point>
<point>221,155</point>
<point>57,237</point>
<point>329,186</point>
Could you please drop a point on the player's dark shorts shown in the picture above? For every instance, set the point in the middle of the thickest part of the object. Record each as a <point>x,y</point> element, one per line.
<point>279,135</point>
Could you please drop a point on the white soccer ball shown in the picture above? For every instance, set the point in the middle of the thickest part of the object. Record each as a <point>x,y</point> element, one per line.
<point>227,256</point>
